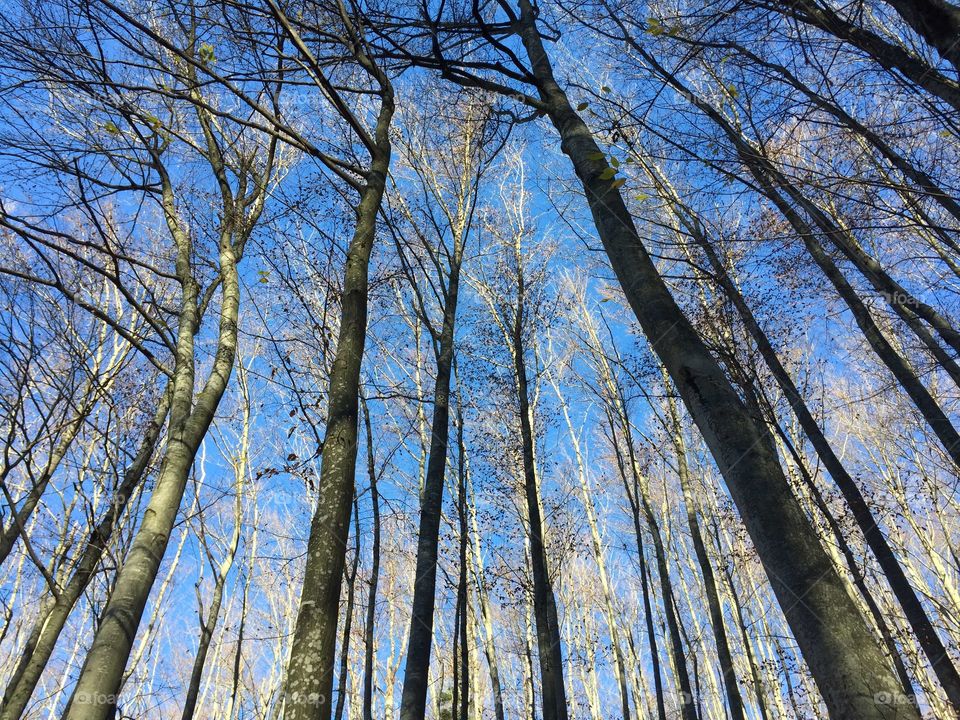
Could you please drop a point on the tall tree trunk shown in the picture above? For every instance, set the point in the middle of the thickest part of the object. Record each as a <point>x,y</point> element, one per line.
<point>758,688</point>
<point>841,651</point>
<point>486,619</point>
<point>549,651</point>
<point>463,597</point>
<point>309,682</point>
<point>734,700</point>
<point>368,630</point>
<point>596,546</point>
<point>416,675</point>
<point>915,612</point>
<point>94,696</point>
<point>633,499</point>
<point>208,624</point>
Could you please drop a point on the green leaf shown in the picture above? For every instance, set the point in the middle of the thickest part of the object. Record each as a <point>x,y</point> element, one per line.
<point>583,106</point>
<point>614,161</point>
<point>604,89</point>
<point>607,174</point>
<point>207,54</point>
<point>654,27</point>
<point>642,196</point>
<point>111,127</point>
<point>732,90</point>
<point>596,156</point>
<point>618,183</point>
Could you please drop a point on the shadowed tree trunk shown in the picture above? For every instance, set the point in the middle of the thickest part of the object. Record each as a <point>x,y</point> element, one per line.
<point>904,592</point>
<point>309,682</point>
<point>841,651</point>
<point>937,22</point>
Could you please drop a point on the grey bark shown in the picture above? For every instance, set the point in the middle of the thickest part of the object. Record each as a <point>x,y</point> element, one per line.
<point>841,651</point>
<point>309,683</point>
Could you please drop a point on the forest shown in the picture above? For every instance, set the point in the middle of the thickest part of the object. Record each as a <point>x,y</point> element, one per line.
<point>479,359</point>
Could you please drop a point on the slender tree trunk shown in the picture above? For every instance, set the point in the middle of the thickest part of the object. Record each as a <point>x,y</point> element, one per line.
<point>842,653</point>
<point>598,556</point>
<point>209,624</point>
<point>416,675</point>
<point>463,597</point>
<point>910,602</point>
<point>688,710</point>
<point>758,688</point>
<point>489,647</point>
<point>734,700</point>
<point>94,696</point>
<point>549,649</point>
<point>348,617</point>
<point>368,630</point>
<point>633,499</point>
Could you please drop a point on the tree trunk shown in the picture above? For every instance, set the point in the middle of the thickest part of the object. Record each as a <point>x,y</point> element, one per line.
<point>913,608</point>
<point>842,653</point>
<point>94,696</point>
<point>348,616</point>
<point>887,54</point>
<point>634,501</point>
<point>368,648</point>
<point>309,681</point>
<point>937,22</point>
<point>416,675</point>
<point>549,649</point>
<point>734,700</point>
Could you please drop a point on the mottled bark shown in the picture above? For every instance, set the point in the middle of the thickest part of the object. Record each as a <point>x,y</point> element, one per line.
<point>841,651</point>
<point>309,684</point>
